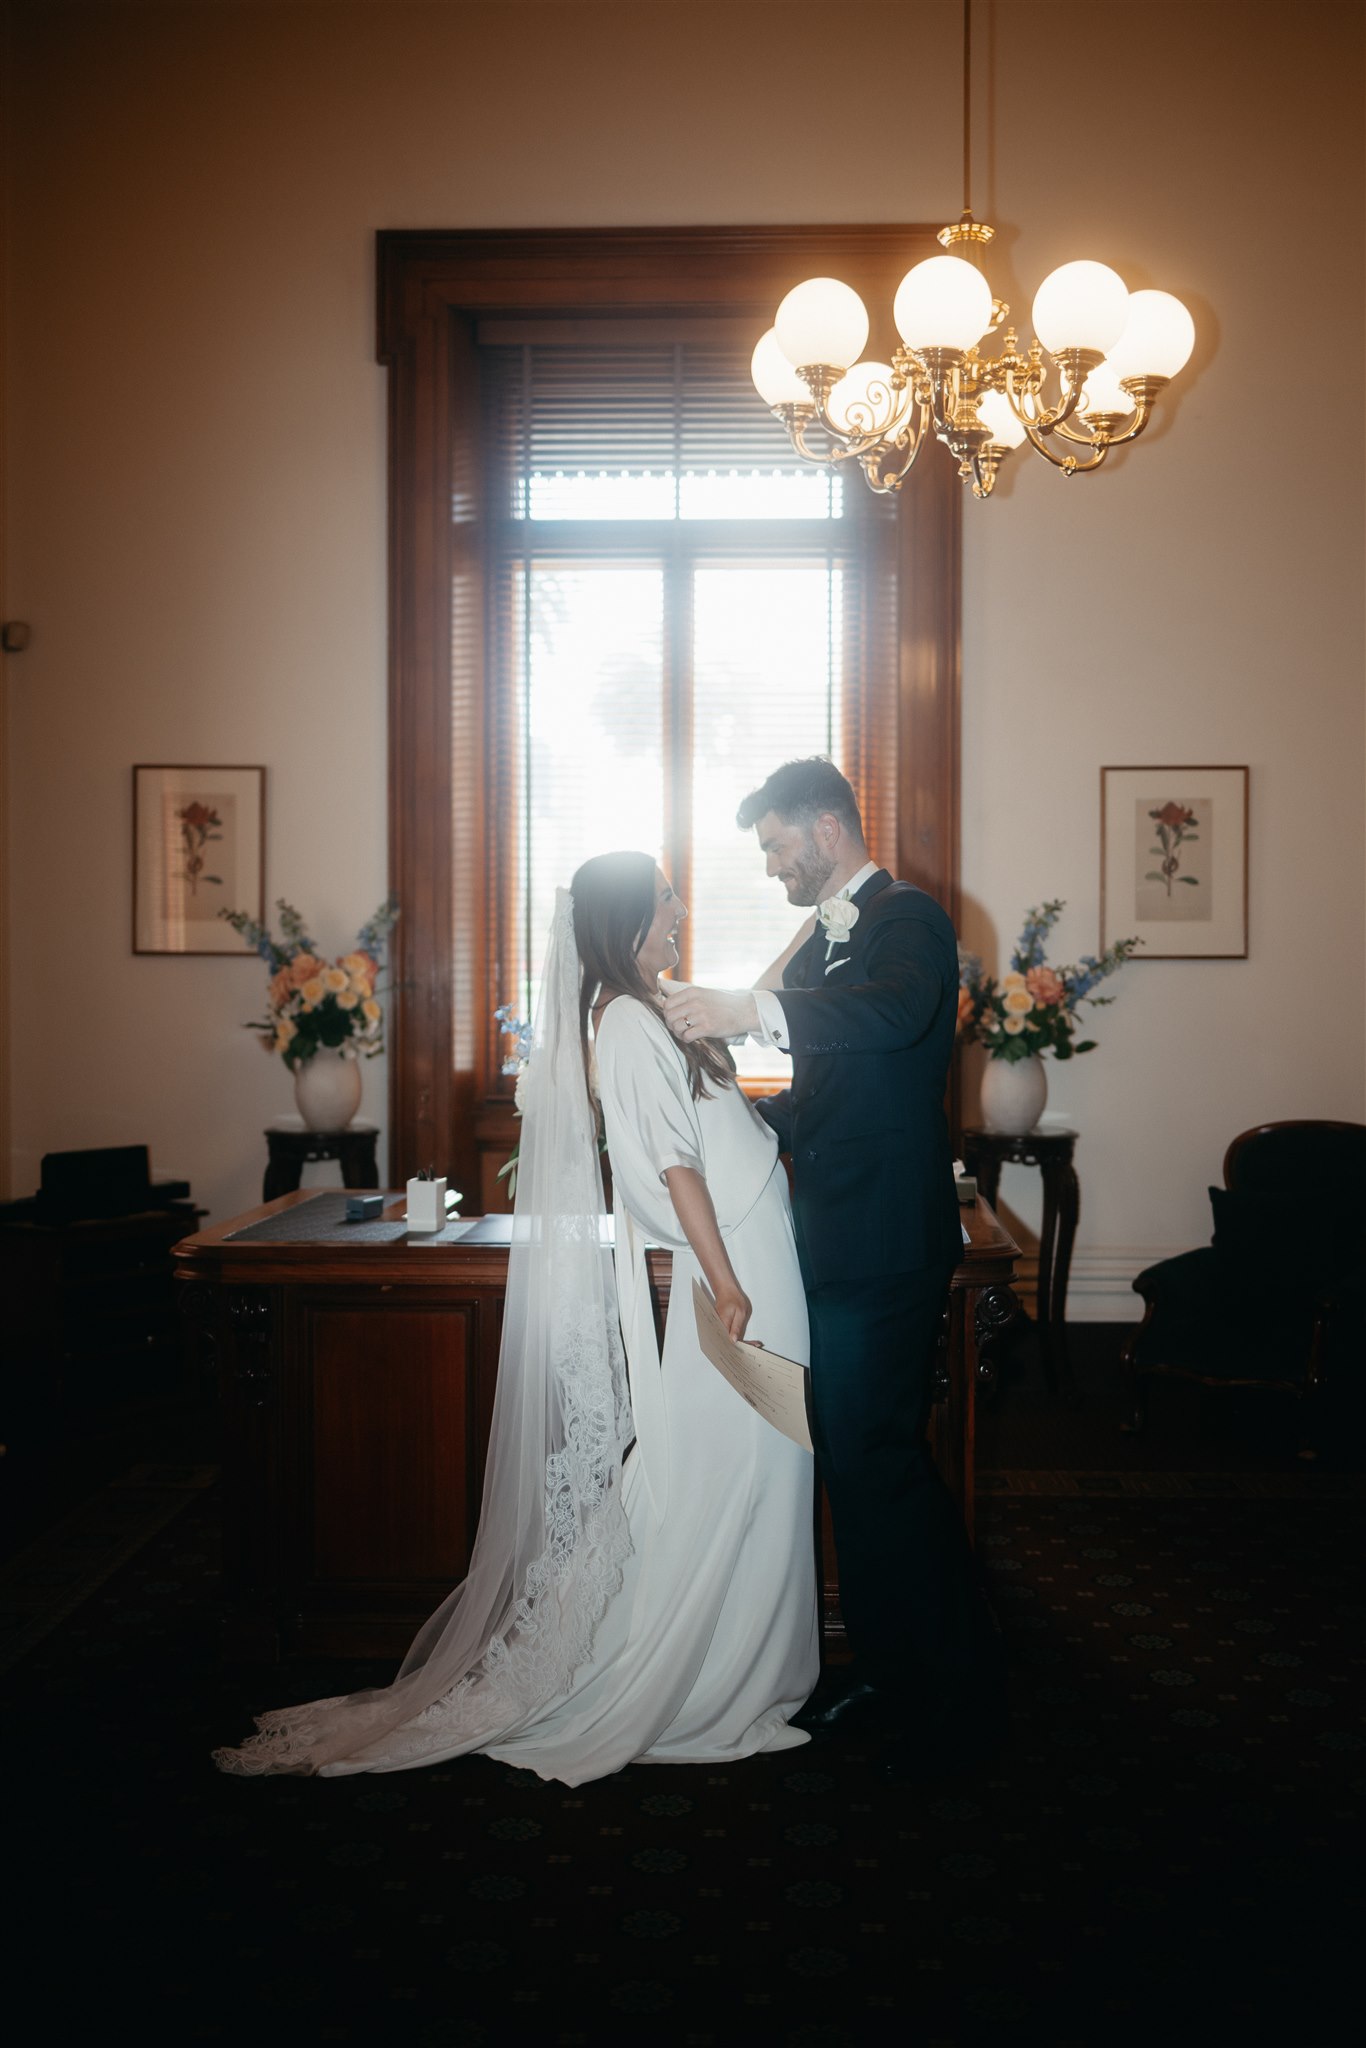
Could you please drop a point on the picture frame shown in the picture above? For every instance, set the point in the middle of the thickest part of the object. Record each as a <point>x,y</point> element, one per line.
<point>1173,861</point>
<point>199,846</point>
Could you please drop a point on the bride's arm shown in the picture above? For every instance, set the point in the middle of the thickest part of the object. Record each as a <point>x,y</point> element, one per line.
<point>772,976</point>
<point>692,1202</point>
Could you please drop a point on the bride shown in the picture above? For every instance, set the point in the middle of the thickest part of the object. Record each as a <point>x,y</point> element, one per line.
<point>659,1605</point>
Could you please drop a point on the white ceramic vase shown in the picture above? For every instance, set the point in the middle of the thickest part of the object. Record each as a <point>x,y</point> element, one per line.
<point>327,1089</point>
<point>1013,1095</point>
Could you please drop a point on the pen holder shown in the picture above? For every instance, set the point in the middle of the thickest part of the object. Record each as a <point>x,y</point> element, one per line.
<point>427,1204</point>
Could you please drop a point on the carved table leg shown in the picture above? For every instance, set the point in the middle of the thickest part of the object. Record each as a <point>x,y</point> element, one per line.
<point>1061,1206</point>
<point>357,1155</point>
<point>282,1176</point>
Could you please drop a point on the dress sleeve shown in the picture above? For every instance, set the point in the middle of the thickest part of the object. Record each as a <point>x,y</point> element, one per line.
<point>651,1118</point>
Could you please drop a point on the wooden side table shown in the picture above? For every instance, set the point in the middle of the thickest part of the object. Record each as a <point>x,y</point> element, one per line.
<point>290,1143</point>
<point>984,1154</point>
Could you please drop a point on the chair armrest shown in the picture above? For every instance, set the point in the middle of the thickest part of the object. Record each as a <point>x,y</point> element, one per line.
<point>1188,1275</point>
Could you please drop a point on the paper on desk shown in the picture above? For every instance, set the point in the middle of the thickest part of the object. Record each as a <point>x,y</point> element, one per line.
<point>774,1386</point>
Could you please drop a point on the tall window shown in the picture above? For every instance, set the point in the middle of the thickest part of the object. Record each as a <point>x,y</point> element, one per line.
<point>677,604</point>
<point>616,601</point>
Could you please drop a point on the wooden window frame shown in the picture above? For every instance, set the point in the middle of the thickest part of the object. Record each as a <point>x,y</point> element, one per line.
<point>433,288</point>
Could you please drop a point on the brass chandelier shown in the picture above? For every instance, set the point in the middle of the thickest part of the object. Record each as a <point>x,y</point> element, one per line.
<point>1113,351</point>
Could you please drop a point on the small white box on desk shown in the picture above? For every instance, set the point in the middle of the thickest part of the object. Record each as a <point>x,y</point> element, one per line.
<point>427,1204</point>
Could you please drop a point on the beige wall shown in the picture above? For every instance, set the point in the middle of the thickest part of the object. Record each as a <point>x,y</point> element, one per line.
<point>196,477</point>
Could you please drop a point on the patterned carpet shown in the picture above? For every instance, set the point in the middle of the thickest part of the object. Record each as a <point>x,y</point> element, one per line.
<point>1168,1846</point>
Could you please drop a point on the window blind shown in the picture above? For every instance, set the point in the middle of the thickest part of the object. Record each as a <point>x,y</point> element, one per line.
<point>677,603</point>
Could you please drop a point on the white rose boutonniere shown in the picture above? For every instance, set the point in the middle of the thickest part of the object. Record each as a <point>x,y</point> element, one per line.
<point>837,917</point>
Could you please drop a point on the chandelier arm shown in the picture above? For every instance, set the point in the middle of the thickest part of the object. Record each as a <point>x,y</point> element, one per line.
<point>1074,367</point>
<point>881,477</point>
<point>821,379</point>
<point>827,456</point>
<point>1071,465</point>
<point>1142,414</point>
<point>1089,439</point>
<point>796,419</point>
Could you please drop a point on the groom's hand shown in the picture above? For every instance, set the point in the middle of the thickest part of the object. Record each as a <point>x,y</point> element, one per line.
<point>692,1012</point>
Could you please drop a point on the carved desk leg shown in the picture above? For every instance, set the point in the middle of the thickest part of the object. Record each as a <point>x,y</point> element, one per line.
<point>994,1310</point>
<point>980,1316</point>
<point>250,1395</point>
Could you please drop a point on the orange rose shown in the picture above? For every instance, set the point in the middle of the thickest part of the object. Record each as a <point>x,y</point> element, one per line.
<point>281,988</point>
<point>1044,985</point>
<point>302,968</point>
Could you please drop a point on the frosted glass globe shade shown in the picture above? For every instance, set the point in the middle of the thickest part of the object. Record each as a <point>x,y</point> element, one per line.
<point>1157,340</point>
<point>1081,305</point>
<point>1102,392</point>
<point>775,380</point>
<point>863,402</point>
<point>994,411</point>
<point>942,303</point>
<point>822,321</point>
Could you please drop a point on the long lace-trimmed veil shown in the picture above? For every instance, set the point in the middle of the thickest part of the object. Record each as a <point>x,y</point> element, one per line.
<point>552,1532</point>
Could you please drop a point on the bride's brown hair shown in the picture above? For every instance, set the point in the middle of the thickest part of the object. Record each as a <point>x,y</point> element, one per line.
<point>614,907</point>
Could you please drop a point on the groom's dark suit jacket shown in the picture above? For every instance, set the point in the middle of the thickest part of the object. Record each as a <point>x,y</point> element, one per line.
<point>871,1032</point>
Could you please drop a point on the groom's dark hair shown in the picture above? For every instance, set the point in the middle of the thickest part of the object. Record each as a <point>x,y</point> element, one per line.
<point>799,792</point>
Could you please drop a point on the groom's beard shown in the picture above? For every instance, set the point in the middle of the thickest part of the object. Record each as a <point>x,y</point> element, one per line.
<point>806,876</point>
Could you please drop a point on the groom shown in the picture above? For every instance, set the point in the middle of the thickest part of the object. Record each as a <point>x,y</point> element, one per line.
<point>868,1011</point>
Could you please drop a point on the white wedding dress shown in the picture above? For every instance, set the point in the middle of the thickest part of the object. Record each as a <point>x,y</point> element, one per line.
<point>664,1605</point>
<point>711,1644</point>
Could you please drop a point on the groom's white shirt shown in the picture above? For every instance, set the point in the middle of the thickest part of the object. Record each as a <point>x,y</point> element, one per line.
<point>772,1026</point>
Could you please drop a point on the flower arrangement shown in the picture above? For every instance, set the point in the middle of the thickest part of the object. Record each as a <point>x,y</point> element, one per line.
<point>517,1030</point>
<point>313,1002</point>
<point>1033,1009</point>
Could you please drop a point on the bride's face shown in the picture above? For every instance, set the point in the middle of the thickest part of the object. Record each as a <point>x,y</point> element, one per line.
<point>657,952</point>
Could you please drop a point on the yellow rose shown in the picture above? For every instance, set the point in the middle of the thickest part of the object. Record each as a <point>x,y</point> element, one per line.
<point>358,965</point>
<point>334,980</point>
<point>284,1031</point>
<point>372,1011</point>
<point>1018,1002</point>
<point>1012,1026</point>
<point>313,992</point>
<point>1012,981</point>
<point>348,999</point>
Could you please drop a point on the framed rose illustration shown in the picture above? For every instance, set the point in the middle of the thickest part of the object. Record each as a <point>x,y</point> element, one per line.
<point>1173,861</point>
<point>199,846</point>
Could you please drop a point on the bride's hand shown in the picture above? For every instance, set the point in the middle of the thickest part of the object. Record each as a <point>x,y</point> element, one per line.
<point>735,1308</point>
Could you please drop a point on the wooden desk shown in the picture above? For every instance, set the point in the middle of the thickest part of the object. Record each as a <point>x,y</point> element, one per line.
<point>357,1374</point>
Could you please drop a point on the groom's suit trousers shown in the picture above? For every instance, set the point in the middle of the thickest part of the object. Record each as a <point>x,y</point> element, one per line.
<point>909,1592</point>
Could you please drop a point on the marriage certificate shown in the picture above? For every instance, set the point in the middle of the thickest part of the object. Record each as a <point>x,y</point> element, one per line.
<point>774,1386</point>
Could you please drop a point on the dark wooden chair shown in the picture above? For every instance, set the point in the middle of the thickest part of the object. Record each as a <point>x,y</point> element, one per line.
<point>1278,1299</point>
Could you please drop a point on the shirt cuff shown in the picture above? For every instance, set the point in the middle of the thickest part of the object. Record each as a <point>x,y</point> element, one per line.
<point>772,1028</point>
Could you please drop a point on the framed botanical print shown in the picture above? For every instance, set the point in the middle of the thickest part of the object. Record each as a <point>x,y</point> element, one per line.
<point>199,846</point>
<point>1173,861</point>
